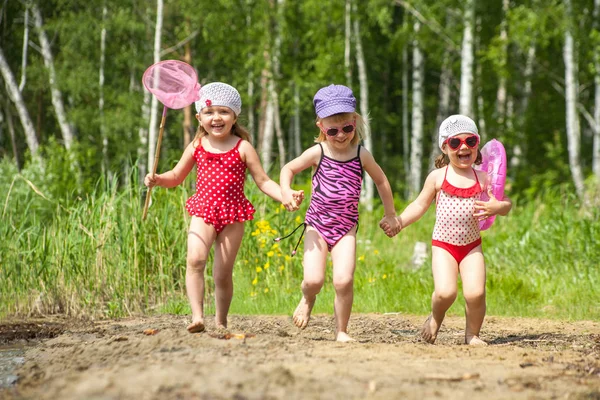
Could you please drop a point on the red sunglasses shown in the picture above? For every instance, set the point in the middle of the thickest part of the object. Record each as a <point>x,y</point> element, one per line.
<point>455,143</point>
<point>334,130</point>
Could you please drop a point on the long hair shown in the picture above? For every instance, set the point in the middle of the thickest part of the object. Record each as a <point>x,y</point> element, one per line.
<point>359,132</point>
<point>237,129</point>
<point>442,160</point>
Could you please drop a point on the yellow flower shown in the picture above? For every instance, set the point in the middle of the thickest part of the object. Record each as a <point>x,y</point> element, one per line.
<point>266,290</point>
<point>287,258</point>
<point>281,268</point>
<point>375,251</point>
<point>267,265</point>
<point>270,253</point>
<point>298,219</point>
<point>275,246</point>
<point>252,294</point>
<point>258,270</point>
<point>384,276</point>
<point>371,280</point>
<point>281,206</point>
<point>361,258</point>
<point>255,281</point>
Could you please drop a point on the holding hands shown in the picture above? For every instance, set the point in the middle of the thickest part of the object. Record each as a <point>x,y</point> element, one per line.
<point>390,225</point>
<point>291,199</point>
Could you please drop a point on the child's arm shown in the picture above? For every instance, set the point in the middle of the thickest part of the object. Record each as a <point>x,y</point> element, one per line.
<point>175,176</point>
<point>309,158</point>
<point>385,192</point>
<point>267,185</point>
<point>420,205</point>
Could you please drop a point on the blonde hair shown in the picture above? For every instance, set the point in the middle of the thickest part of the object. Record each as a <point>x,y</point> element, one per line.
<point>442,160</point>
<point>359,132</point>
<point>237,130</point>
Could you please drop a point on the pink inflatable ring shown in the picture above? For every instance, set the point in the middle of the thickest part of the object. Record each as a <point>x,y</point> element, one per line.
<point>494,163</point>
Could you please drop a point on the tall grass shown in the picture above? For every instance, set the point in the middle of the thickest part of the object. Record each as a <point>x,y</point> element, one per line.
<point>93,256</point>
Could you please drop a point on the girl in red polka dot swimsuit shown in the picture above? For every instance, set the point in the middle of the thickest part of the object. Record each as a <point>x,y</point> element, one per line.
<point>456,242</point>
<point>222,153</point>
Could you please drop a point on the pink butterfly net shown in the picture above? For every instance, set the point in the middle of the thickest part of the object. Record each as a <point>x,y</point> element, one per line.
<point>174,83</point>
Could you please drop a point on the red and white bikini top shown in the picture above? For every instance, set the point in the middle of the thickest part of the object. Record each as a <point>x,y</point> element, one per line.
<point>454,220</point>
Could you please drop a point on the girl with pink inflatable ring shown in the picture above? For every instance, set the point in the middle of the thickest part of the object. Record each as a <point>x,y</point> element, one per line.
<point>456,243</point>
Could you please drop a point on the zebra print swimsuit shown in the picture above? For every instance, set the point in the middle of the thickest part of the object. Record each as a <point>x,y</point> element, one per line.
<point>336,185</point>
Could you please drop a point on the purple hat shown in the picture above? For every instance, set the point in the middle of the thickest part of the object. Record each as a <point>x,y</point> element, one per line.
<point>334,99</point>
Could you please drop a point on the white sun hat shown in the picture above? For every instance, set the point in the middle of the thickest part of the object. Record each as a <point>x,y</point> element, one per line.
<point>455,125</point>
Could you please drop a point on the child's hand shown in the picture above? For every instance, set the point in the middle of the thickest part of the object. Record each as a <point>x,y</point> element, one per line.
<point>485,209</point>
<point>298,196</point>
<point>291,199</point>
<point>390,225</point>
<point>151,180</point>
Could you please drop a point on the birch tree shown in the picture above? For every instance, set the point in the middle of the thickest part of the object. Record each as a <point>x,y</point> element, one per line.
<point>467,61</point>
<point>596,124</point>
<point>152,128</point>
<point>364,103</point>
<point>57,100</point>
<point>571,97</point>
<point>101,91</point>
<point>416,143</point>
<point>17,99</point>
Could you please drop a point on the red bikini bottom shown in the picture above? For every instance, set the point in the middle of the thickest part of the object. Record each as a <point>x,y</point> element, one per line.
<point>458,252</point>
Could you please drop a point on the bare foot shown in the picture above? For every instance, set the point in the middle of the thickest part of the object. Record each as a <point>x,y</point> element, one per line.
<point>302,314</point>
<point>196,326</point>
<point>474,341</point>
<point>429,330</point>
<point>344,338</point>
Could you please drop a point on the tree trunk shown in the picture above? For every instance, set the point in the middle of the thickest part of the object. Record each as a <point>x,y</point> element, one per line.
<point>416,144</point>
<point>348,42</point>
<point>466,66</point>
<point>443,106</point>
<point>405,118</point>
<point>57,100</point>
<point>517,152</point>
<point>501,92</point>
<point>152,128</point>
<point>364,105</point>
<point>25,48</point>
<point>596,141</point>
<point>101,92</point>
<point>269,130</point>
<point>15,95</point>
<point>571,90</point>
<point>188,112</point>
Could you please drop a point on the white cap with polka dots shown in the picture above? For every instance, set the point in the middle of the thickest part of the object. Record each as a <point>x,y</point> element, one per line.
<point>455,125</point>
<point>219,94</point>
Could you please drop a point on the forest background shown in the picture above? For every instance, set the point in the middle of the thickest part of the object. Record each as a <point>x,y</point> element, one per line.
<point>78,131</point>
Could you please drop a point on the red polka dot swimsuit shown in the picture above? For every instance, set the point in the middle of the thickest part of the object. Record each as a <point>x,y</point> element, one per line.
<point>456,229</point>
<point>219,198</point>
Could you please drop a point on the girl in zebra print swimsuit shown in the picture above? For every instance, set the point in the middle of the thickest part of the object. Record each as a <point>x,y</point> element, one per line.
<point>332,217</point>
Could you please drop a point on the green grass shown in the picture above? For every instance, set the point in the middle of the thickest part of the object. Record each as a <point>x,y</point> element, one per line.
<point>93,256</point>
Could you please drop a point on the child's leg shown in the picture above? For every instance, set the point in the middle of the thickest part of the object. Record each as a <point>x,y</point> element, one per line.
<point>472,273</point>
<point>200,237</point>
<point>315,259</point>
<point>226,249</point>
<point>343,256</point>
<point>445,273</point>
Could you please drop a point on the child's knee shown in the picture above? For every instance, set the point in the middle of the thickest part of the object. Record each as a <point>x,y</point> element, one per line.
<point>343,284</point>
<point>475,296</point>
<point>196,264</point>
<point>313,284</point>
<point>446,295</point>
